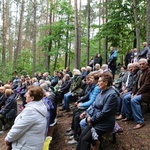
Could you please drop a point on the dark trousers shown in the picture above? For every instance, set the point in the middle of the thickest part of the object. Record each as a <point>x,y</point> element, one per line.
<point>75,126</point>
<point>113,70</point>
<point>2,121</point>
<point>86,140</point>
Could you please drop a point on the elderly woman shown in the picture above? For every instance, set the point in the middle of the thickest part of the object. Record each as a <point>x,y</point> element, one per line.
<point>74,90</point>
<point>29,129</point>
<point>100,116</point>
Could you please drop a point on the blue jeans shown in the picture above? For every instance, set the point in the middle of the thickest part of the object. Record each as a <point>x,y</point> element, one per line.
<point>133,106</point>
<point>67,97</point>
<point>136,109</point>
<point>83,124</point>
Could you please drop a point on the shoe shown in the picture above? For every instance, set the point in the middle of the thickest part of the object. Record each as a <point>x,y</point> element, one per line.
<point>63,108</point>
<point>68,130</point>
<point>60,104</point>
<point>6,127</point>
<point>73,141</point>
<point>69,133</point>
<point>125,119</point>
<point>71,137</point>
<point>1,132</point>
<point>138,126</point>
<point>68,110</point>
<point>120,117</point>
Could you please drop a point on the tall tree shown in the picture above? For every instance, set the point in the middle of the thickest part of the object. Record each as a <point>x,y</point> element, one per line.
<point>4,38</point>
<point>76,45</point>
<point>148,22</point>
<point>136,25</point>
<point>88,32</point>
<point>19,42</point>
<point>34,37</point>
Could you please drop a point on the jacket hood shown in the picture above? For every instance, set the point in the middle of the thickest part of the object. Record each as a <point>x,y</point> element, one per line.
<point>39,106</point>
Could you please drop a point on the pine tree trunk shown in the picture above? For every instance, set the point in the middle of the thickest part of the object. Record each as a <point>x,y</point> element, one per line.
<point>4,39</point>
<point>88,33</point>
<point>19,42</point>
<point>34,38</point>
<point>136,26</point>
<point>148,23</point>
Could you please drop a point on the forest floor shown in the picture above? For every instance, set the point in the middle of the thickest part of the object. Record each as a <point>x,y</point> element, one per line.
<point>129,139</point>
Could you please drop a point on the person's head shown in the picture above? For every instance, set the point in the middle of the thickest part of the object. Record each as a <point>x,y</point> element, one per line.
<point>44,86</point>
<point>34,93</point>
<point>7,86</point>
<point>111,48</point>
<point>8,92</point>
<point>2,89</point>
<point>135,66</point>
<point>83,69</point>
<point>123,68</point>
<point>144,44</point>
<point>97,66</point>
<point>143,64</point>
<point>130,65</point>
<point>34,79</point>
<point>76,72</point>
<point>105,80</point>
<point>104,67</point>
<point>94,76</point>
<point>88,68</point>
<point>66,77</point>
<point>88,81</point>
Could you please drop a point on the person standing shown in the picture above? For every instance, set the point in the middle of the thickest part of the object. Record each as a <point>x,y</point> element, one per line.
<point>112,60</point>
<point>144,51</point>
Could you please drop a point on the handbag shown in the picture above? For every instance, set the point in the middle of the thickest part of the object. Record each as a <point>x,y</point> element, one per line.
<point>47,142</point>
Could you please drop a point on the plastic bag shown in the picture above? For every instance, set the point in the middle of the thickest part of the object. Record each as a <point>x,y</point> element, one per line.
<point>47,143</point>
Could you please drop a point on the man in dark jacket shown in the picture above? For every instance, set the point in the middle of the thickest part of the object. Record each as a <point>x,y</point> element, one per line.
<point>140,93</point>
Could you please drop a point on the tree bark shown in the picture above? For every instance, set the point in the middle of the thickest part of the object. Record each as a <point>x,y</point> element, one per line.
<point>4,38</point>
<point>34,38</point>
<point>148,22</point>
<point>76,46</point>
<point>19,42</point>
<point>88,32</point>
<point>136,26</point>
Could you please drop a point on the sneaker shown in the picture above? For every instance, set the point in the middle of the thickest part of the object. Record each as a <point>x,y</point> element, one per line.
<point>68,130</point>
<point>62,109</point>
<point>71,137</point>
<point>69,133</point>
<point>1,132</point>
<point>6,127</point>
<point>73,141</point>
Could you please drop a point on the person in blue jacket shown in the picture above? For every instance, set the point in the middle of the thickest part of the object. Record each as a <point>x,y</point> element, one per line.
<point>112,60</point>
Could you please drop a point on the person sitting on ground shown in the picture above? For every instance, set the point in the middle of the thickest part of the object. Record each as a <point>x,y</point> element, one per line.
<point>140,93</point>
<point>29,129</point>
<point>83,103</point>
<point>74,91</point>
<point>100,116</point>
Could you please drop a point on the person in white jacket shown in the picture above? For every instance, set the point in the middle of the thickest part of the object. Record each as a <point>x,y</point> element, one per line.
<point>29,129</point>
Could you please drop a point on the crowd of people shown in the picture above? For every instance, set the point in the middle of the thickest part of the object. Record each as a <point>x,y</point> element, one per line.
<point>97,94</point>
